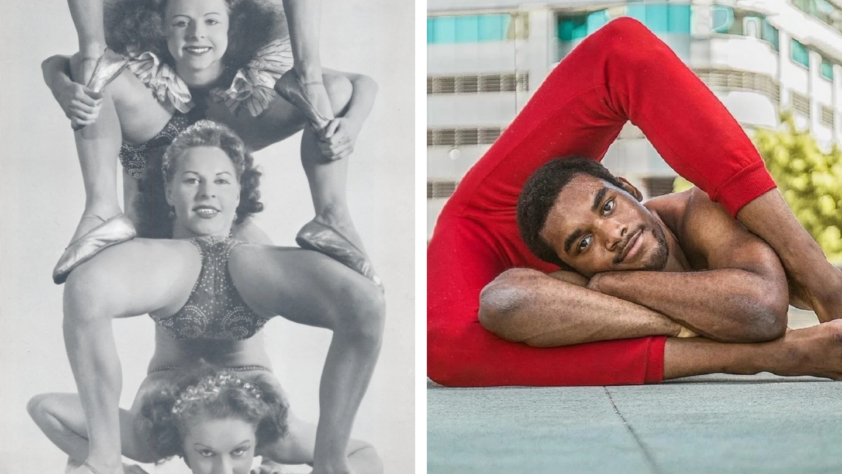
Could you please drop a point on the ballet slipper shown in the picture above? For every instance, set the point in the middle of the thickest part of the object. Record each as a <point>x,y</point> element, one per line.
<point>111,232</point>
<point>290,87</point>
<point>108,67</point>
<point>329,241</point>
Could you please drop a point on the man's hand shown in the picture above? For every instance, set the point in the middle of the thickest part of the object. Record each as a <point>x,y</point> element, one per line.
<point>339,139</point>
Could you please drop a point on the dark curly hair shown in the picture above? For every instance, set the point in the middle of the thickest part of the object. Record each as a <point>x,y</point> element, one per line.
<point>151,202</point>
<point>139,26</point>
<point>539,194</point>
<point>166,430</point>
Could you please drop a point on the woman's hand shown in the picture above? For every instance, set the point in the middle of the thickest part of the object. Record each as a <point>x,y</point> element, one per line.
<point>80,104</point>
<point>133,469</point>
<point>267,466</point>
<point>339,138</point>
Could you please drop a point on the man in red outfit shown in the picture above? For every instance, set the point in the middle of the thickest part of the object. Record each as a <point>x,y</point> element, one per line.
<point>622,72</point>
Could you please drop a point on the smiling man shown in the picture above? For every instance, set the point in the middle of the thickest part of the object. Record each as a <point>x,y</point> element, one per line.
<point>683,263</point>
<point>621,73</point>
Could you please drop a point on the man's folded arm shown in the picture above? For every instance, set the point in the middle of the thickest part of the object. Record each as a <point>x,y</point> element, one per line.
<point>742,297</point>
<point>524,305</point>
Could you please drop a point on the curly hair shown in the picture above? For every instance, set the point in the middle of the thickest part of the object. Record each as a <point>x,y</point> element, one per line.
<point>539,194</point>
<point>139,25</point>
<point>166,430</point>
<point>151,202</point>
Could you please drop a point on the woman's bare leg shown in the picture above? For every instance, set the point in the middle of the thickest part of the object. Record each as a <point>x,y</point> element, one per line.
<point>312,289</point>
<point>134,278</point>
<point>98,148</point>
<point>328,178</point>
<point>297,447</point>
<point>304,20</point>
<point>61,418</point>
<point>815,351</point>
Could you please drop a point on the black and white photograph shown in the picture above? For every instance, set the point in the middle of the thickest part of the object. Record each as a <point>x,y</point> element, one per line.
<point>207,255</point>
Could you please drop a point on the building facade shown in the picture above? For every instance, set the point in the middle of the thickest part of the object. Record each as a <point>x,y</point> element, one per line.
<point>760,57</point>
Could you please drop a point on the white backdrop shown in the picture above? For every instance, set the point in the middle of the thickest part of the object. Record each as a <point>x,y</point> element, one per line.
<point>41,199</point>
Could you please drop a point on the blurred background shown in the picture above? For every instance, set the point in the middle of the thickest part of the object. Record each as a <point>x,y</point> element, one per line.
<point>775,64</point>
<point>41,200</point>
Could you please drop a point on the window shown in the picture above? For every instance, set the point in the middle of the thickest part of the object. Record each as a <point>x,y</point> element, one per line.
<point>731,80</point>
<point>511,82</point>
<point>662,18</point>
<point>827,70</point>
<point>579,26</point>
<point>440,189</point>
<point>827,116</point>
<point>770,34</point>
<point>822,10</point>
<point>801,104</point>
<point>728,21</point>
<point>799,54</point>
<point>462,136</point>
<point>476,28</point>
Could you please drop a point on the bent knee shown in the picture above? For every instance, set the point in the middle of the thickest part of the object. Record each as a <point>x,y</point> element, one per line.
<point>38,406</point>
<point>365,312</point>
<point>339,89</point>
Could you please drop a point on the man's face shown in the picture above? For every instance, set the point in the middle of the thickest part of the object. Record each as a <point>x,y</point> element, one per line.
<point>597,227</point>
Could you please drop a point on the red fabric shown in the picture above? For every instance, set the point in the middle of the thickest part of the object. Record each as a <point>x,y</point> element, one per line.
<point>622,72</point>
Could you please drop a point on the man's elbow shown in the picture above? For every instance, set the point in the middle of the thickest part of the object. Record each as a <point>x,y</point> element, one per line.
<point>501,301</point>
<point>764,319</point>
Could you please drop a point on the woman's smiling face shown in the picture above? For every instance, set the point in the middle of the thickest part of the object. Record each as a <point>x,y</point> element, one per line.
<point>197,37</point>
<point>204,192</point>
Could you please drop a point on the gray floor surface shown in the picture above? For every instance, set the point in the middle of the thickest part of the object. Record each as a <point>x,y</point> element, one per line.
<point>708,424</point>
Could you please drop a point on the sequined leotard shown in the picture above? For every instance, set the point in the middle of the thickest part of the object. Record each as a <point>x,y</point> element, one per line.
<point>215,309</point>
<point>135,157</point>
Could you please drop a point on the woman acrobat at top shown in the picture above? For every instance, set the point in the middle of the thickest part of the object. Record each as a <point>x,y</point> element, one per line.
<point>243,63</point>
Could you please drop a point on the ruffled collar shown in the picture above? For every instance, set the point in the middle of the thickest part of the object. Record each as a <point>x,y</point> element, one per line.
<point>253,86</point>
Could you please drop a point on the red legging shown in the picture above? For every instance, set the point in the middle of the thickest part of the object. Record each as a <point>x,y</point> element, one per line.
<point>622,72</point>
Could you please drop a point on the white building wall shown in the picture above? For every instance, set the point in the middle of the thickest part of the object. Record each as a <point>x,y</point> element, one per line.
<point>631,155</point>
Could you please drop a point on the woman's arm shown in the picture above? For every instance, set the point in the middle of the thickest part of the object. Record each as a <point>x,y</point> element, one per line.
<point>130,279</point>
<point>80,104</point>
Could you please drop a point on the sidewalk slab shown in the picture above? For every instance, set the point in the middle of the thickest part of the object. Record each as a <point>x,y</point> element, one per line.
<point>710,424</point>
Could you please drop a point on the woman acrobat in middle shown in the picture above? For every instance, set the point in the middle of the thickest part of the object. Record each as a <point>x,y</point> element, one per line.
<point>226,60</point>
<point>209,296</point>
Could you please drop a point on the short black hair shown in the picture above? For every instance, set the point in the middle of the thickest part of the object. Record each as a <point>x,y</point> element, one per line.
<point>540,193</point>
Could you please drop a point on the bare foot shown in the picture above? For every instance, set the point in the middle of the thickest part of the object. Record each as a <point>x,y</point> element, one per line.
<point>815,351</point>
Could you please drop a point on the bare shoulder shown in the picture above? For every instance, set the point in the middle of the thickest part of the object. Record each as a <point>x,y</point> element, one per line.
<point>711,232</point>
<point>671,208</point>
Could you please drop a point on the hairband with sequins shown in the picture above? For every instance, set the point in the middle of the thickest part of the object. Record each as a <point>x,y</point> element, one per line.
<point>211,387</point>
